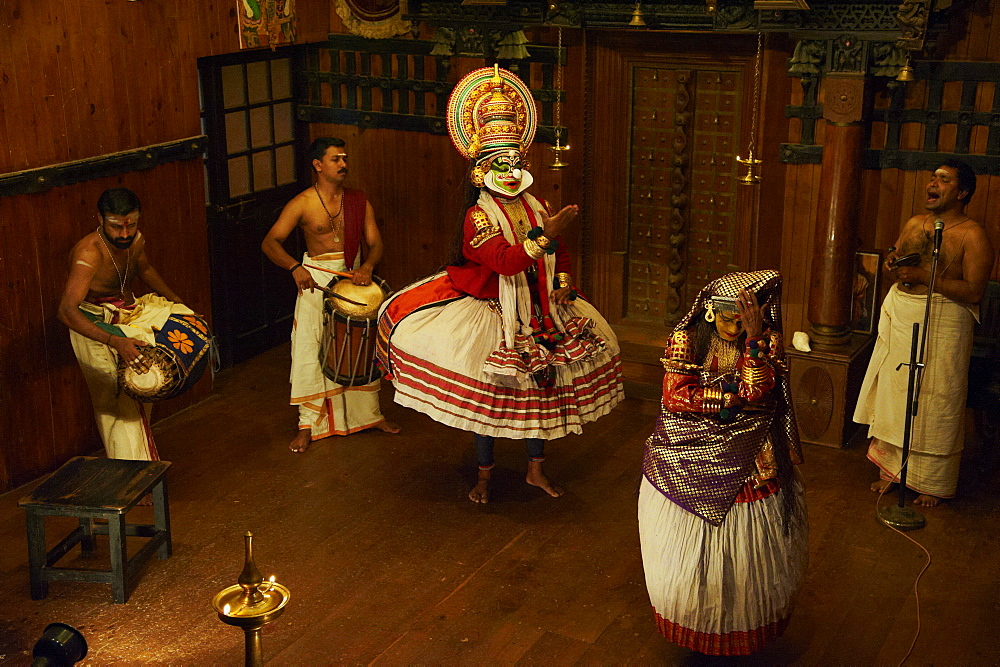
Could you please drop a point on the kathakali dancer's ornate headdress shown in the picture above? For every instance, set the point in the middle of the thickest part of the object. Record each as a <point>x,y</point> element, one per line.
<point>491,114</point>
<point>720,296</point>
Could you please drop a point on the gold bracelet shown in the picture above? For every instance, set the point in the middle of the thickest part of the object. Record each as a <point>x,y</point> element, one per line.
<point>543,241</point>
<point>754,376</point>
<point>563,280</point>
<point>711,400</point>
<point>533,249</point>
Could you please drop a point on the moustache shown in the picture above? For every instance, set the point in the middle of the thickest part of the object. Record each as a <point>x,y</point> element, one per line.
<point>122,244</point>
<point>342,171</point>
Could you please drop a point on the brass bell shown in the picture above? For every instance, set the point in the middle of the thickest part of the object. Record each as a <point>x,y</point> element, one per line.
<point>906,73</point>
<point>637,19</point>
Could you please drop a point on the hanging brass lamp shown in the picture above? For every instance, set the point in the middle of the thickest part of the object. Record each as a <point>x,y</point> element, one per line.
<point>557,150</point>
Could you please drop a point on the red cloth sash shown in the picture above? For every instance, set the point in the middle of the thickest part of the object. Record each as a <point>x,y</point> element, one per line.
<point>354,222</point>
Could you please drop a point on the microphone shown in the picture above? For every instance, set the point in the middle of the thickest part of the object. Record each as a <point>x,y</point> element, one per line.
<point>938,232</point>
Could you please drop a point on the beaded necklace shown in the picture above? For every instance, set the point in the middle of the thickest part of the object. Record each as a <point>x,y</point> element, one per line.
<point>333,221</point>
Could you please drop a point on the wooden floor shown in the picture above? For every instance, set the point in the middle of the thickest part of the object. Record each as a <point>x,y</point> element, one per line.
<point>388,562</point>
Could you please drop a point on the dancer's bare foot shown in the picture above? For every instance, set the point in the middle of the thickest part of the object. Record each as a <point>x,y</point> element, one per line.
<point>387,426</point>
<point>925,500</point>
<point>481,491</point>
<point>882,486</point>
<point>536,477</point>
<point>302,441</point>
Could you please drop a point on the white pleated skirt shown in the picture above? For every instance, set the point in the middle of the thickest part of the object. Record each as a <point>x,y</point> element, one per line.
<point>725,590</point>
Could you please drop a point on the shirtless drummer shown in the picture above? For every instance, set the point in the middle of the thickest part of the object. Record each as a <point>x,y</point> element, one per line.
<point>106,321</point>
<point>333,219</point>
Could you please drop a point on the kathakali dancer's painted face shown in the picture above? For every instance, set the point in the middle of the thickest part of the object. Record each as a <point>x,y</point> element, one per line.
<point>728,324</point>
<point>507,176</point>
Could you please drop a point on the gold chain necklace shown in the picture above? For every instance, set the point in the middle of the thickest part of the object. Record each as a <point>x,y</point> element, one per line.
<point>128,260</point>
<point>727,352</point>
<point>333,221</point>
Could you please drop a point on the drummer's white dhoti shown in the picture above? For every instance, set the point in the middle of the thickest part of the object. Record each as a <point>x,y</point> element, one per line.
<point>326,407</point>
<point>122,421</point>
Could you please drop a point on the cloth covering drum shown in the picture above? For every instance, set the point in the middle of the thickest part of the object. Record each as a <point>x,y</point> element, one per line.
<point>122,421</point>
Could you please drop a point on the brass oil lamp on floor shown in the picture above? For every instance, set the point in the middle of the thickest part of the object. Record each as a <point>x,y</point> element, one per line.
<point>251,604</point>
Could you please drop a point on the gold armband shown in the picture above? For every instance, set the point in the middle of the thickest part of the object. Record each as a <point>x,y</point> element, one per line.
<point>485,229</point>
<point>754,376</point>
<point>563,280</point>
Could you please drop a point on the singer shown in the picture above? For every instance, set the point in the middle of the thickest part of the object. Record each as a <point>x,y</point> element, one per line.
<point>965,262</point>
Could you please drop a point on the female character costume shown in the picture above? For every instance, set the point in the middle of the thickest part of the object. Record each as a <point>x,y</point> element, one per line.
<point>722,520</point>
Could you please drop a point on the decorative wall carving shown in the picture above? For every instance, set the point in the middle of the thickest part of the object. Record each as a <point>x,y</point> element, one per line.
<point>876,19</point>
<point>972,80</point>
<point>390,83</point>
<point>843,95</point>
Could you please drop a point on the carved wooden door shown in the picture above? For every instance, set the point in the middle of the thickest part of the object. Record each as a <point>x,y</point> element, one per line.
<point>664,210</point>
<point>682,193</point>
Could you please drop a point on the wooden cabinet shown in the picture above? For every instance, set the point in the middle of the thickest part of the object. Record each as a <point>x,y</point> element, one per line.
<point>825,385</point>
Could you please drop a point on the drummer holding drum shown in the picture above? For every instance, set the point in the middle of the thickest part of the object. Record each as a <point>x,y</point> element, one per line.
<point>109,327</point>
<point>333,383</point>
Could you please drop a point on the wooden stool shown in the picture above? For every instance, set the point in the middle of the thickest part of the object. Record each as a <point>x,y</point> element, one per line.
<point>95,488</point>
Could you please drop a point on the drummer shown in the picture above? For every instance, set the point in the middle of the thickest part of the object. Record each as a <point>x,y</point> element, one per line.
<point>333,219</point>
<point>106,321</point>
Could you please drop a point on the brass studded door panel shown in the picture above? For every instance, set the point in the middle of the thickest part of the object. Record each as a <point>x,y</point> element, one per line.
<point>685,128</point>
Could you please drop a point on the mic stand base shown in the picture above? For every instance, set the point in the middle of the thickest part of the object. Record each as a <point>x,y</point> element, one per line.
<point>901,518</point>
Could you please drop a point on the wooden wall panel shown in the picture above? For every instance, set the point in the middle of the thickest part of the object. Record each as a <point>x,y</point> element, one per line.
<point>81,80</point>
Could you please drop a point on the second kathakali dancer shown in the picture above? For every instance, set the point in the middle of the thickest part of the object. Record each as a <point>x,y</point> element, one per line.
<point>722,520</point>
<point>500,343</point>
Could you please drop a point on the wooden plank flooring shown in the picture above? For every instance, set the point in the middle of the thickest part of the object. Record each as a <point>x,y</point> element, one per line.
<point>388,562</point>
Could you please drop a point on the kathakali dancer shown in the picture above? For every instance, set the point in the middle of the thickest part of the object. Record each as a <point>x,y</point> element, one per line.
<point>722,520</point>
<point>500,343</point>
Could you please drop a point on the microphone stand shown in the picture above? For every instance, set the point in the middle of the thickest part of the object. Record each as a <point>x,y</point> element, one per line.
<point>899,516</point>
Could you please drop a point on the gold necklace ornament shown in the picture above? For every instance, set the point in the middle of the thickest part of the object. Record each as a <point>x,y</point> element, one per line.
<point>727,352</point>
<point>333,221</point>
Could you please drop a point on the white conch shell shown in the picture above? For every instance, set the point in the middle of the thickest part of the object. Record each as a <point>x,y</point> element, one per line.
<point>800,341</point>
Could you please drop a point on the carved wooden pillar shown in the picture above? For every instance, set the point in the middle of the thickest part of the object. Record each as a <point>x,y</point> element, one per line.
<point>826,381</point>
<point>837,217</point>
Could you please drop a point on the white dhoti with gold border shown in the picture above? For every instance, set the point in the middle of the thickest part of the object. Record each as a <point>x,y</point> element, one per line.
<point>326,407</point>
<point>938,433</point>
<point>122,421</point>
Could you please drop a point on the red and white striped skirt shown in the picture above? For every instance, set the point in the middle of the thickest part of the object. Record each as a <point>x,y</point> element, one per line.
<point>436,353</point>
